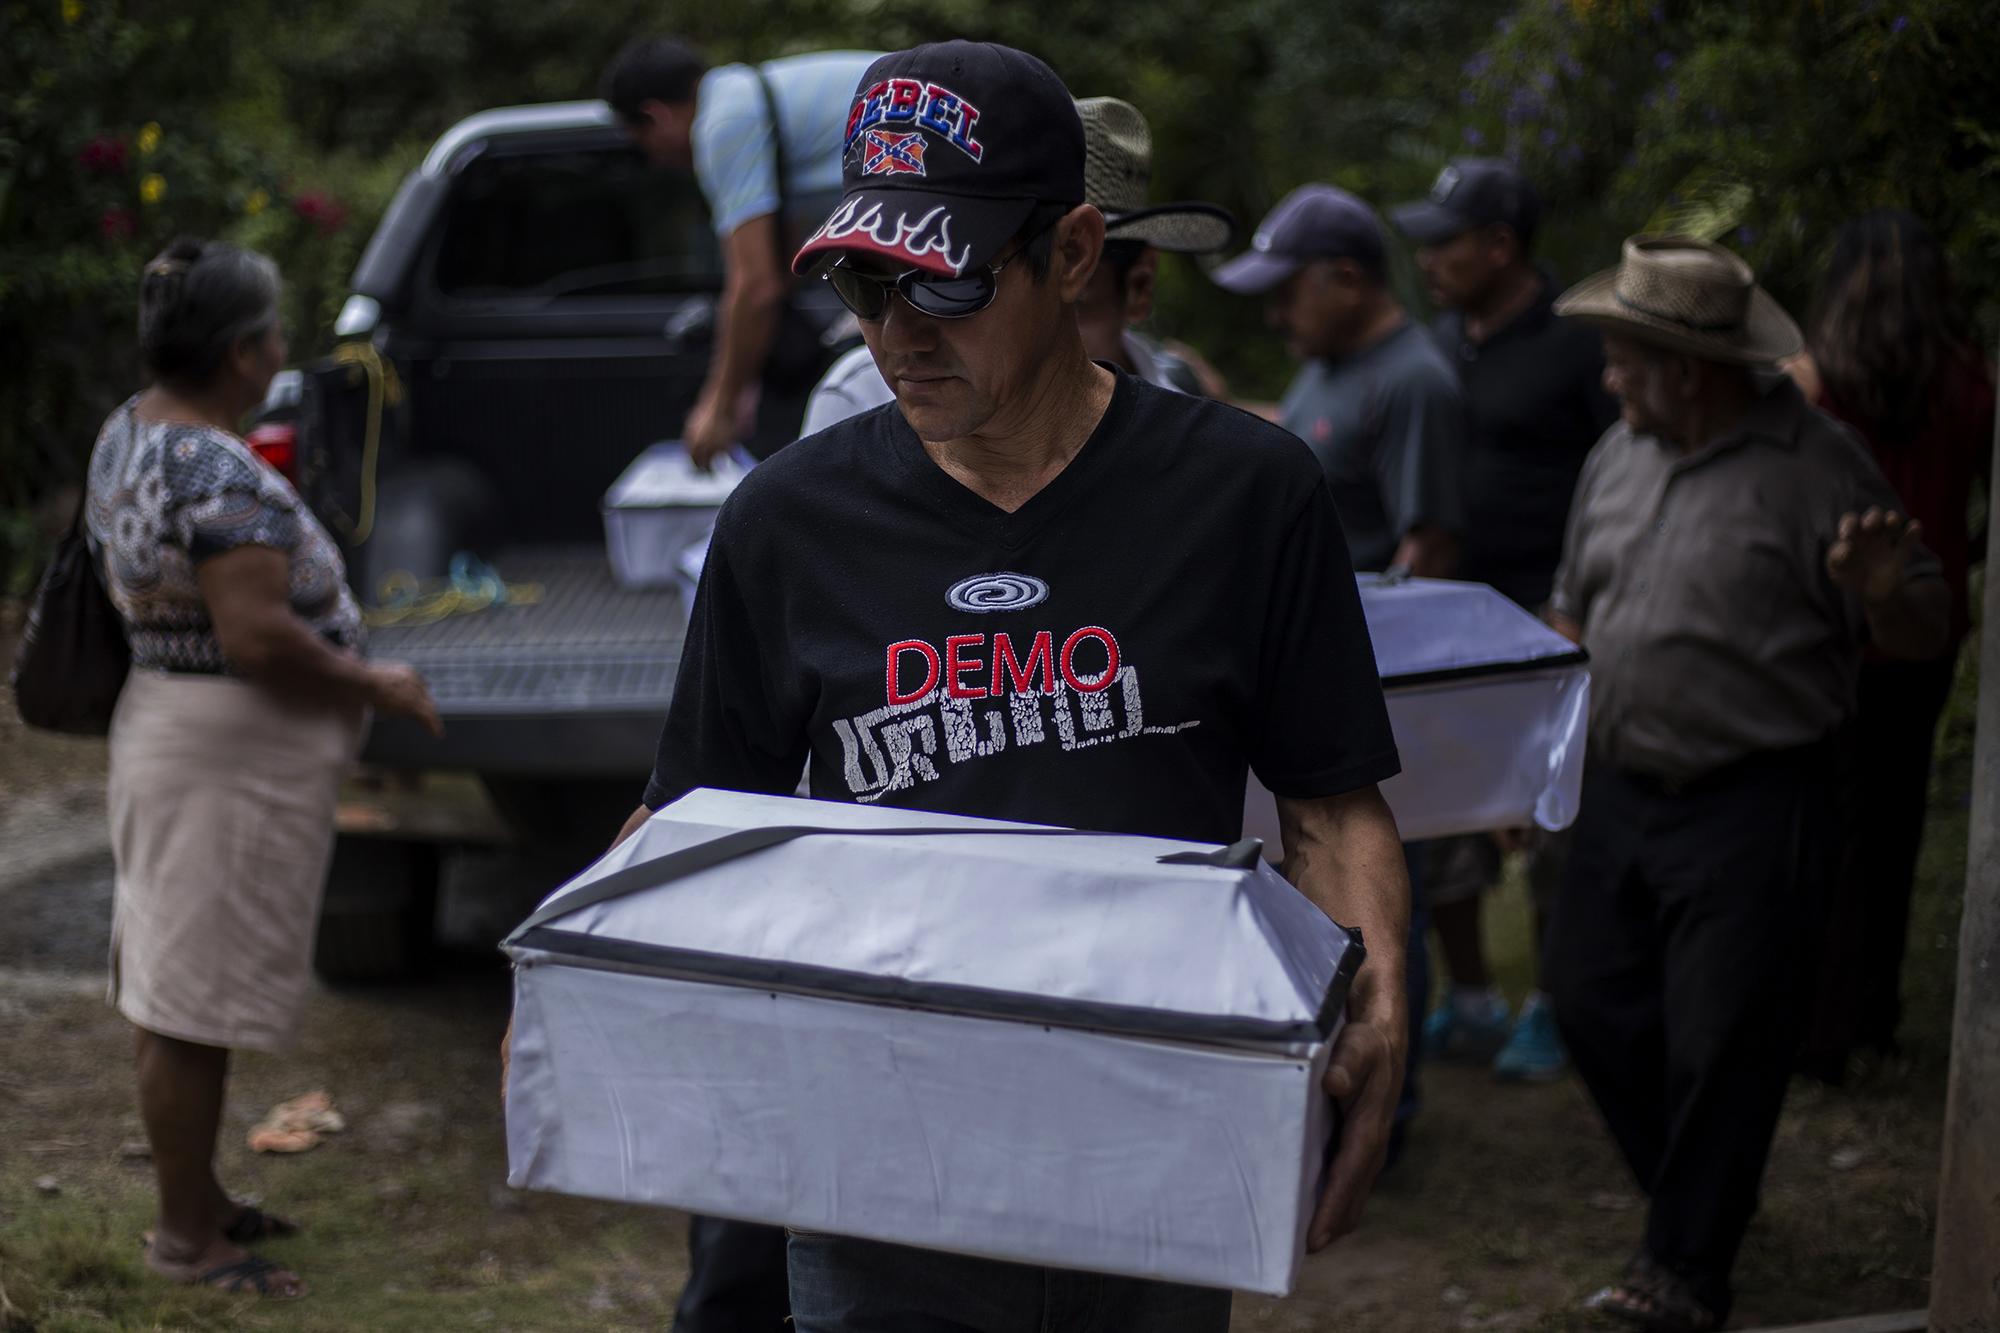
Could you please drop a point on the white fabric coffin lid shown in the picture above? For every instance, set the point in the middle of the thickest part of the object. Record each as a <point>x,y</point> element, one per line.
<point>1428,628</point>
<point>664,477</point>
<point>1091,919</point>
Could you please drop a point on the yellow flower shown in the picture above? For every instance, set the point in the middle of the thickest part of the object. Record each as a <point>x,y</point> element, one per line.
<point>258,201</point>
<point>72,11</point>
<point>153,188</point>
<point>149,138</point>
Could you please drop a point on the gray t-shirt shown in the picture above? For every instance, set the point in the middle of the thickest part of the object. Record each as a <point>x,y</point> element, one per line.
<point>1389,428</point>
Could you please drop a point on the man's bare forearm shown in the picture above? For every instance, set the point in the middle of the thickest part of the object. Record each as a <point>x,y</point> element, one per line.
<point>748,325</point>
<point>1344,853</point>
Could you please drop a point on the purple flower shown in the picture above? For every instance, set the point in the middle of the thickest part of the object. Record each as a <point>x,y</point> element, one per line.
<point>1746,236</point>
<point>1545,81</point>
<point>1573,153</point>
<point>1571,66</point>
<point>1473,137</point>
<point>1673,93</point>
<point>1659,14</point>
<point>1468,97</point>
<point>1902,22</point>
<point>1505,25</point>
<point>1663,61</point>
<point>1523,106</point>
<point>1478,65</point>
<point>1549,137</point>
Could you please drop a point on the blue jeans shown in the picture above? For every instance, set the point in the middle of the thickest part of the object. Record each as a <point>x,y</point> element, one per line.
<point>843,1285</point>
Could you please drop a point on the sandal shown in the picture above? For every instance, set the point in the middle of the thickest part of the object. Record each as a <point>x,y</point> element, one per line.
<point>1655,1299</point>
<point>252,1224</point>
<point>247,1276</point>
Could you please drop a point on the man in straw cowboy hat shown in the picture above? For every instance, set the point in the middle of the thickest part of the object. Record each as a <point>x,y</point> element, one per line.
<point>1729,551</point>
<point>1117,168</point>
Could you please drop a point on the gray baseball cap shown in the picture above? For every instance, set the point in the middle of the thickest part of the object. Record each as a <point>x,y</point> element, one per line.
<point>1312,222</point>
<point>1471,192</point>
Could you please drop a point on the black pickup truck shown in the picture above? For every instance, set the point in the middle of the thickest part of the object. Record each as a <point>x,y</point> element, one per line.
<point>534,309</point>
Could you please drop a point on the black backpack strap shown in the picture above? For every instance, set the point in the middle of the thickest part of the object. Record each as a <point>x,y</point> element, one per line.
<point>777,159</point>
<point>700,856</point>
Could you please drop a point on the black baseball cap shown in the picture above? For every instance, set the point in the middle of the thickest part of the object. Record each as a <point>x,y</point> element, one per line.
<point>1471,192</point>
<point>948,149</point>
<point>1312,222</point>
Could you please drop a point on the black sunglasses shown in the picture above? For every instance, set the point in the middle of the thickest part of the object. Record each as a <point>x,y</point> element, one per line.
<point>932,294</point>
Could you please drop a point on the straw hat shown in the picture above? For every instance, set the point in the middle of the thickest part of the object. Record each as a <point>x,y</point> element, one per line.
<point>1118,168</point>
<point>1689,296</point>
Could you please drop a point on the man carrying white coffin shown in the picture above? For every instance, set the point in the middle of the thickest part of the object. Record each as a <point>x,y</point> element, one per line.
<point>1037,589</point>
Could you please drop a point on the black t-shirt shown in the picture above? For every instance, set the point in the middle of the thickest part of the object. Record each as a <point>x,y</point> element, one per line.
<point>1175,604</point>
<point>1536,394</point>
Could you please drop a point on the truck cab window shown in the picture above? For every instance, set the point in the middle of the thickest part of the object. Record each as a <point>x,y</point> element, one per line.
<point>587,222</point>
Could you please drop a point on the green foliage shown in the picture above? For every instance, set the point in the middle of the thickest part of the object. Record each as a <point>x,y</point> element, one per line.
<point>1763,125</point>
<point>288,127</point>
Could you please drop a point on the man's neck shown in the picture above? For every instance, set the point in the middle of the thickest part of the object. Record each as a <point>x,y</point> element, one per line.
<point>1712,418</point>
<point>1381,319</point>
<point>1028,443</point>
<point>1509,297</point>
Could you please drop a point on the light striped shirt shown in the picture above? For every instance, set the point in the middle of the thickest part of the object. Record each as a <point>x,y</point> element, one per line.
<point>733,150</point>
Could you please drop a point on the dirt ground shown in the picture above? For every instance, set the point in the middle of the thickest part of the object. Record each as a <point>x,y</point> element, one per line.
<point>1509,1209</point>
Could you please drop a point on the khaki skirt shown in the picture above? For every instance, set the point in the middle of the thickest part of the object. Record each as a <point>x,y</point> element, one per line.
<point>222,803</point>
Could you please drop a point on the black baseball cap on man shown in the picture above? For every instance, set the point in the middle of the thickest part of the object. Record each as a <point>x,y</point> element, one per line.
<point>1312,222</point>
<point>1471,192</point>
<point>948,149</point>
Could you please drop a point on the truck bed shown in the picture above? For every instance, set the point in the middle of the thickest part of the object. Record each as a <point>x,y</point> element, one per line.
<point>575,682</point>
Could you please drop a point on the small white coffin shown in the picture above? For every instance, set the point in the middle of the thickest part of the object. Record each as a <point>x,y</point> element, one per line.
<point>988,1038</point>
<point>658,508</point>
<point>1488,706</point>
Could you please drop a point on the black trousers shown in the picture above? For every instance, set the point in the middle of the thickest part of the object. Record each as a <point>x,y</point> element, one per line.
<point>1887,777</point>
<point>1680,957</point>
<point>736,1279</point>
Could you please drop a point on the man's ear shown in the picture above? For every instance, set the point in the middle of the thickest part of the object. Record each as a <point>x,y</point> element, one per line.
<point>1139,283</point>
<point>1079,245</point>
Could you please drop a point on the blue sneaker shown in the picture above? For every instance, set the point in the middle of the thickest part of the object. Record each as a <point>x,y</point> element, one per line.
<point>1467,1027</point>
<point>1535,1052</point>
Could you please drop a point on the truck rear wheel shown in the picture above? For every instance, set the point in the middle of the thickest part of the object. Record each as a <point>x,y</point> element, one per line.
<point>378,921</point>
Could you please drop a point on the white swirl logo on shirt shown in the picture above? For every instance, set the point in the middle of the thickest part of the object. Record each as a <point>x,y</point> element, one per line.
<point>996,592</point>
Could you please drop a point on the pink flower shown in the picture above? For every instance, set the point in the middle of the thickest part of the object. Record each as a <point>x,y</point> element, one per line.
<point>118,224</point>
<point>105,154</point>
<point>320,209</point>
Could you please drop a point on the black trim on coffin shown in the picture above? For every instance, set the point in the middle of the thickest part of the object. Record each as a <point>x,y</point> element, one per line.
<point>1438,677</point>
<point>976,1001</point>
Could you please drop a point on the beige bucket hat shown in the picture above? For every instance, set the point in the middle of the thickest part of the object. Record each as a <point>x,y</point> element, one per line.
<point>1117,171</point>
<point>1687,295</point>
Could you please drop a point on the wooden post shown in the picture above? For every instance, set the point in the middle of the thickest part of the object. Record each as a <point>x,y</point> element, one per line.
<point>1965,1269</point>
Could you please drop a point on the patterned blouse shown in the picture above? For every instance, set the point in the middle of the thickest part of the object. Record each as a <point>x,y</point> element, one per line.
<point>166,495</point>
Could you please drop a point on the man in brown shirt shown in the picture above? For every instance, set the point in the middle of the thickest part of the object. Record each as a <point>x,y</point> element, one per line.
<point>1729,551</point>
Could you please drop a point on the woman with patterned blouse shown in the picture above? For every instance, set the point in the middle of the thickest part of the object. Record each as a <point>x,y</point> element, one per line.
<point>245,704</point>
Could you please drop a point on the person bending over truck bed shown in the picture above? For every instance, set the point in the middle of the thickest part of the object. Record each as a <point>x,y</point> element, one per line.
<point>764,142</point>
